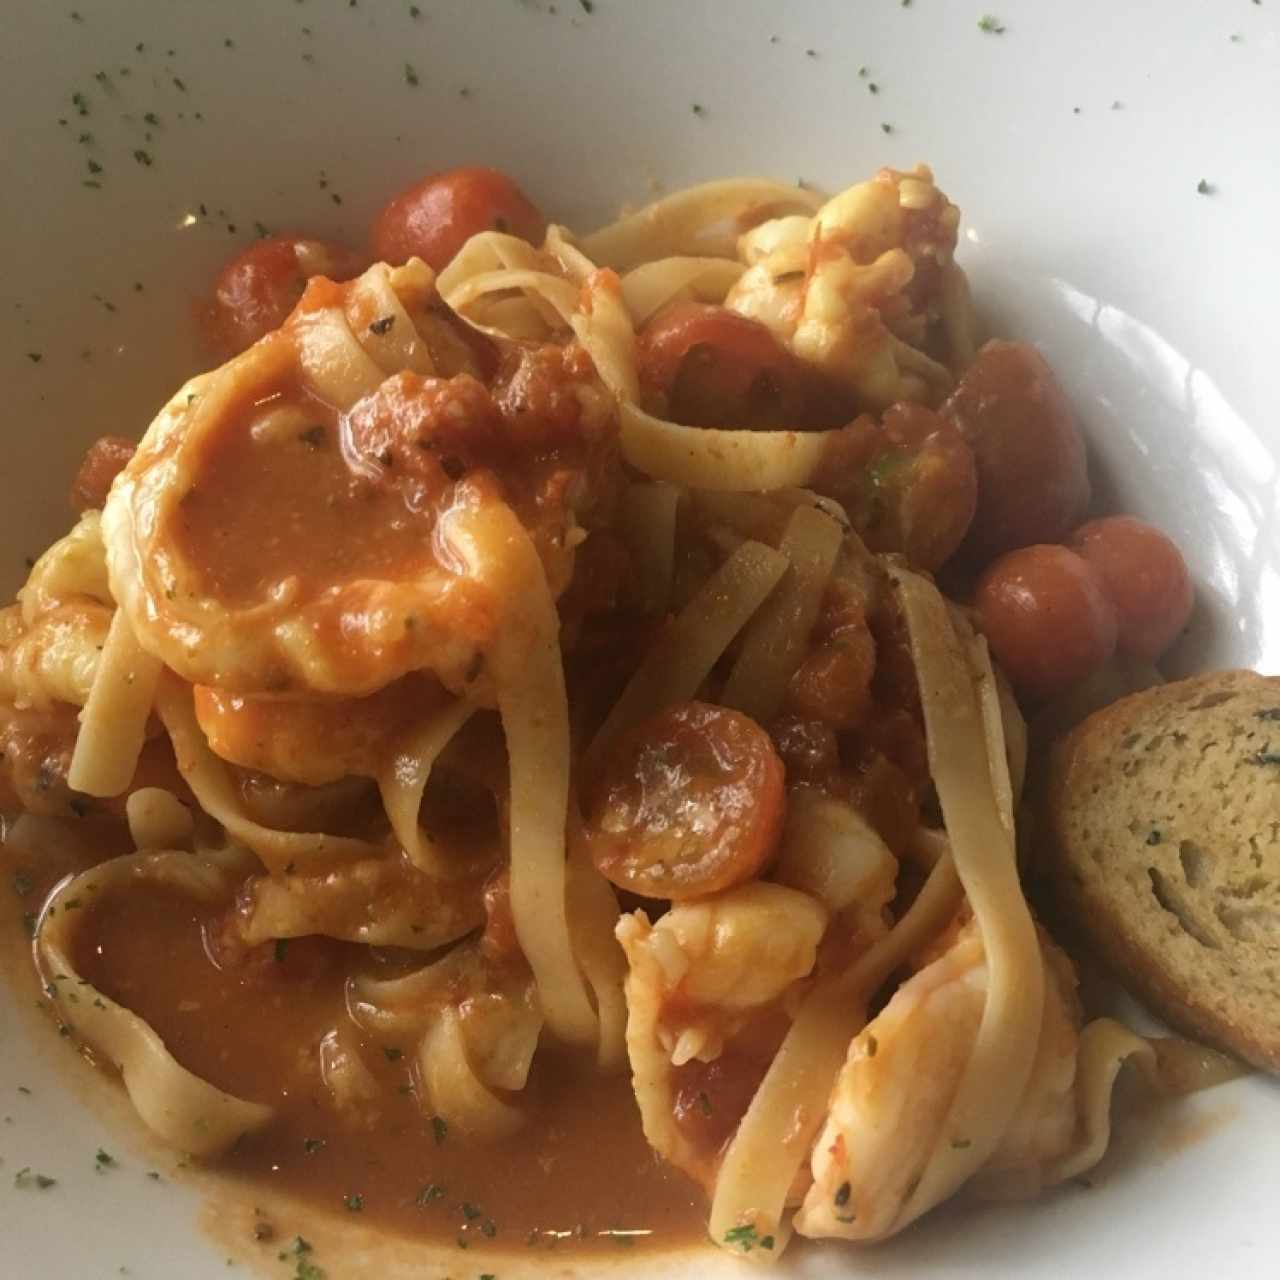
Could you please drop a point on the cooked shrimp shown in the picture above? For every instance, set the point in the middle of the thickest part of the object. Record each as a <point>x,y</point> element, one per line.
<point>710,972</point>
<point>894,1092</point>
<point>861,300</point>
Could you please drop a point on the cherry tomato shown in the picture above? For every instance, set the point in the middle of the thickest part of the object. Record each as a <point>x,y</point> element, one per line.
<point>1046,616</point>
<point>1033,483</point>
<point>257,289</point>
<point>923,487</point>
<point>708,366</point>
<point>434,218</point>
<point>105,458</point>
<point>689,802</point>
<point>1145,578</point>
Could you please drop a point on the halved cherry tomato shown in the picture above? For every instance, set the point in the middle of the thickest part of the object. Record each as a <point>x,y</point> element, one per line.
<point>1033,483</point>
<point>105,458</point>
<point>1046,616</point>
<point>257,289</point>
<point>709,366</point>
<point>434,218</point>
<point>689,802</point>
<point>1145,577</point>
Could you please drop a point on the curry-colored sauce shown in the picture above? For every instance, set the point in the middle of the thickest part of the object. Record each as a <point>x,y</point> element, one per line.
<point>579,1174</point>
<point>274,497</point>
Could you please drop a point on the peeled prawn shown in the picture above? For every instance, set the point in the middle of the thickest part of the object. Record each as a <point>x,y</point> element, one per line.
<point>697,978</point>
<point>893,1095</point>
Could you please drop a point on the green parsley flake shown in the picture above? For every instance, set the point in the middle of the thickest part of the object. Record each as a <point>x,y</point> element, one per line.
<point>991,24</point>
<point>1204,187</point>
<point>746,1238</point>
<point>410,75</point>
<point>354,1202</point>
<point>439,1129</point>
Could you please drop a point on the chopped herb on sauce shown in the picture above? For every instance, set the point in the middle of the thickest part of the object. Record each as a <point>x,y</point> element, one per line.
<point>312,1145</point>
<point>313,436</point>
<point>410,75</point>
<point>392,1054</point>
<point>81,105</point>
<point>991,24</point>
<point>1265,757</point>
<point>961,1144</point>
<point>432,1191</point>
<point>281,948</point>
<point>1204,187</point>
<point>354,1202</point>
<point>1154,837</point>
<point>885,128</point>
<point>143,158</point>
<point>104,1160</point>
<point>35,356</point>
<point>439,1129</point>
<point>746,1238</point>
<point>25,1178</point>
<point>704,1103</point>
<point>588,6</point>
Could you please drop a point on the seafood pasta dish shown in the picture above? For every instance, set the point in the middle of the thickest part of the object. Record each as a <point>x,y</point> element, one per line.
<point>548,697</point>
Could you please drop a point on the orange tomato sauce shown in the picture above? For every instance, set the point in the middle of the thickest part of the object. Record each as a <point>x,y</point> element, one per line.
<point>579,1175</point>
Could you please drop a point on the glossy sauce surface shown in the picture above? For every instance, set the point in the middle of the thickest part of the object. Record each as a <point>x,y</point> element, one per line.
<point>579,1175</point>
<point>275,495</point>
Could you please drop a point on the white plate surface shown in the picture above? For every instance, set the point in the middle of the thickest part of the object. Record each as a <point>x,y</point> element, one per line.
<point>1074,141</point>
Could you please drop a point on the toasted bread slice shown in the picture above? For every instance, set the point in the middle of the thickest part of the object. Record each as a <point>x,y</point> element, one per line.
<point>1163,824</point>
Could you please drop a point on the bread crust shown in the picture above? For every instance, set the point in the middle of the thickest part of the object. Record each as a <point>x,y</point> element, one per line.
<point>1197,762</point>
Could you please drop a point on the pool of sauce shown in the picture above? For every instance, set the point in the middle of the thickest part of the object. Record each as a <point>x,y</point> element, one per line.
<point>578,1176</point>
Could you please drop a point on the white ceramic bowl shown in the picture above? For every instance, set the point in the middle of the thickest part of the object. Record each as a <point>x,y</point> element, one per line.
<point>1074,140</point>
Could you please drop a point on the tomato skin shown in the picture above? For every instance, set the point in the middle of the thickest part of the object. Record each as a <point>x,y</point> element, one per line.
<point>708,366</point>
<point>105,458</point>
<point>1046,616</point>
<point>1145,577</point>
<point>258,288</point>
<point>689,802</point>
<point>1033,479</point>
<point>435,217</point>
